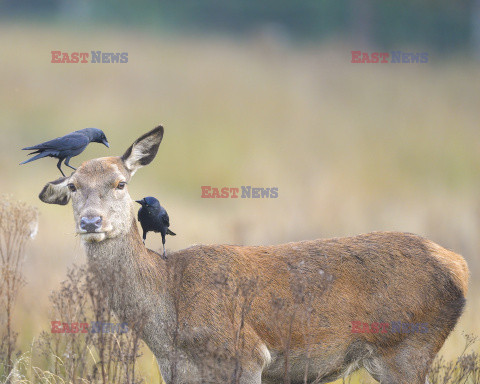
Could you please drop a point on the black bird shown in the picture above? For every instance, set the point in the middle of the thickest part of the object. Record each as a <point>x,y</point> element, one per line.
<point>153,217</point>
<point>66,147</point>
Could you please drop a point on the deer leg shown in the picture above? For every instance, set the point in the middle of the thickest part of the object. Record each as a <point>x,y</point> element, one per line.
<point>407,362</point>
<point>179,369</point>
<point>251,377</point>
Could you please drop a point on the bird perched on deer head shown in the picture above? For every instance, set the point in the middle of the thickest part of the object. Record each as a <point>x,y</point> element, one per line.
<point>154,218</point>
<point>68,146</point>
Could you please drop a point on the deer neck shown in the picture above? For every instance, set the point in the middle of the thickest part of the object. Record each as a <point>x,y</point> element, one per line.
<point>130,275</point>
<point>117,253</point>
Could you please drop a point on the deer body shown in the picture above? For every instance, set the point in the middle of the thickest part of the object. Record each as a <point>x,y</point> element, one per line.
<point>244,314</point>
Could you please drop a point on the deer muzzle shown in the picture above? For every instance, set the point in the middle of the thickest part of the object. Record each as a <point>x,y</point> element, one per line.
<point>90,224</point>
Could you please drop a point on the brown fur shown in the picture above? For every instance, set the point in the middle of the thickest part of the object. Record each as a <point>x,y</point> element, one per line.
<point>260,307</point>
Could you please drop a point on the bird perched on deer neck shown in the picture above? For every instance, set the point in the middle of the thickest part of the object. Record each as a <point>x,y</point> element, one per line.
<point>68,146</point>
<point>154,218</point>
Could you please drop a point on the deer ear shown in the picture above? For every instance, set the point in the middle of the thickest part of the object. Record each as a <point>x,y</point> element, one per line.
<point>56,192</point>
<point>143,150</point>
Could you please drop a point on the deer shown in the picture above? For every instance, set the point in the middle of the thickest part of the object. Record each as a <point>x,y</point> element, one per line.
<point>285,313</point>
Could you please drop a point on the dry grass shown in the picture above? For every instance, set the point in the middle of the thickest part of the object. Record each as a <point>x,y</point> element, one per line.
<point>18,224</point>
<point>352,148</point>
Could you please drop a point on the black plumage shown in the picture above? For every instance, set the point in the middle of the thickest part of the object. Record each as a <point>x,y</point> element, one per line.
<point>154,218</point>
<point>66,147</point>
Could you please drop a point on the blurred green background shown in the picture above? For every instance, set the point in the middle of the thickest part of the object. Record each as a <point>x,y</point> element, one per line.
<point>258,93</point>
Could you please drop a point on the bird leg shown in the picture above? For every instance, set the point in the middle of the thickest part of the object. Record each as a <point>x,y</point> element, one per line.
<point>59,166</point>
<point>68,165</point>
<point>164,253</point>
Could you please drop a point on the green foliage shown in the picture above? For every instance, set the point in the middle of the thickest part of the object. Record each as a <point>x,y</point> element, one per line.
<point>441,25</point>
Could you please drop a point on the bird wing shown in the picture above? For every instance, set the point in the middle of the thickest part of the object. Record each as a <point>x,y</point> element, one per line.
<point>165,218</point>
<point>141,216</point>
<point>72,141</point>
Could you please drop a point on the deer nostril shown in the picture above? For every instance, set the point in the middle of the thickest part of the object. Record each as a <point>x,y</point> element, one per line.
<point>90,224</point>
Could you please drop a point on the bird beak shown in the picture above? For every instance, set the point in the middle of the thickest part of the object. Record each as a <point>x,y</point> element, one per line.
<point>105,142</point>
<point>140,201</point>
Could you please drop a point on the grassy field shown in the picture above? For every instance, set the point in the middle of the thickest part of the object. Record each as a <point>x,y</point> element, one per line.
<point>352,148</point>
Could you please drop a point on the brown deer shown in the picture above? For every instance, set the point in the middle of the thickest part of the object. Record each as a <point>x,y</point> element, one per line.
<point>266,314</point>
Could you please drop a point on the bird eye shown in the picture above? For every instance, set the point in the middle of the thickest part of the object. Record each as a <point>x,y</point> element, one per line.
<point>121,185</point>
<point>72,187</point>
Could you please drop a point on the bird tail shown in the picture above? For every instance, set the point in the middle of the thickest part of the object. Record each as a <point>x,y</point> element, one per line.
<point>39,156</point>
<point>169,232</point>
<point>34,152</point>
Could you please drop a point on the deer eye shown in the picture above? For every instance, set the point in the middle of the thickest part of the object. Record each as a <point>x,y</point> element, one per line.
<point>121,185</point>
<point>72,187</point>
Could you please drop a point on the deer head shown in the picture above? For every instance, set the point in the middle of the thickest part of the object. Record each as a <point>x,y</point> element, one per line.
<point>102,206</point>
